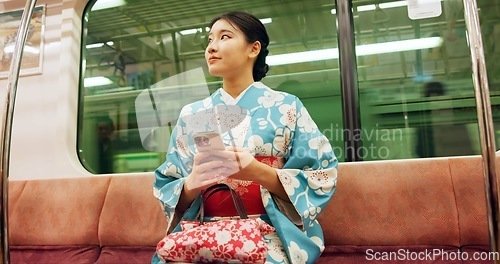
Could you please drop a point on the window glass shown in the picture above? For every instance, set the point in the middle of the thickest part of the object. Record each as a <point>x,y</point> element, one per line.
<point>489,14</point>
<point>132,49</point>
<point>415,82</point>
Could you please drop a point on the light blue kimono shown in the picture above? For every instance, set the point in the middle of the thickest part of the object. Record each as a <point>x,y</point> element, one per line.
<point>277,125</point>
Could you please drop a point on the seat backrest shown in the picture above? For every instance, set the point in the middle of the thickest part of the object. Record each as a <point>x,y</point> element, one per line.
<point>131,215</point>
<point>398,202</point>
<point>436,201</point>
<point>470,198</point>
<point>56,211</point>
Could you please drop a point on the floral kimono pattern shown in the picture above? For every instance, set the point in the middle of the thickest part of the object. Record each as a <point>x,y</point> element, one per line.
<point>277,124</point>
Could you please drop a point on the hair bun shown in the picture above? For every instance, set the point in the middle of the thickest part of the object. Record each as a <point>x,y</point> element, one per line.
<point>260,68</point>
<point>265,69</point>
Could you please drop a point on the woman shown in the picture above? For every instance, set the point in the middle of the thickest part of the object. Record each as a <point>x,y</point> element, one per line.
<point>285,170</point>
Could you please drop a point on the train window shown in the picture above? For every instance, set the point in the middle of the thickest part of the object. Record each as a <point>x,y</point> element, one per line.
<point>489,15</point>
<point>132,48</point>
<point>415,82</point>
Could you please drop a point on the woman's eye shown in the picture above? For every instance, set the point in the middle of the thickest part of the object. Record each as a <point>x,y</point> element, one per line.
<point>209,40</point>
<point>224,36</point>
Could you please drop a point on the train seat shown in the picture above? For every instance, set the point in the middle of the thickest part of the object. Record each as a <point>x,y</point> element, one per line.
<point>384,206</point>
<point>407,207</point>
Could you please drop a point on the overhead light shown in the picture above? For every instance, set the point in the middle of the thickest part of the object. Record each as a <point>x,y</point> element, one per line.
<point>105,4</point>
<point>383,6</point>
<point>93,46</point>
<point>266,20</point>
<point>393,4</point>
<point>96,81</point>
<point>304,56</point>
<point>361,50</point>
<point>366,8</point>
<point>98,45</point>
<point>9,48</point>
<point>190,31</point>
<point>373,7</point>
<point>193,31</point>
<point>207,29</point>
<point>400,45</point>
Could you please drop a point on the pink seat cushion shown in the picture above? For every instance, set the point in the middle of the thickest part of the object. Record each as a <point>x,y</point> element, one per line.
<point>126,254</point>
<point>407,202</point>
<point>54,254</point>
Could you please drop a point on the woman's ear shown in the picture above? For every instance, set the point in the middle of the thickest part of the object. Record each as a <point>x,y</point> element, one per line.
<point>254,49</point>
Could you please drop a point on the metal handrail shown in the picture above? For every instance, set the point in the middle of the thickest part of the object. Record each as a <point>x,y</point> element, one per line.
<point>485,120</point>
<point>15,67</point>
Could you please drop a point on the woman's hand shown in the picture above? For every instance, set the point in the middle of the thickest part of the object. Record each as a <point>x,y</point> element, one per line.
<point>244,166</point>
<point>250,169</point>
<point>212,166</point>
<point>207,170</point>
<point>238,163</point>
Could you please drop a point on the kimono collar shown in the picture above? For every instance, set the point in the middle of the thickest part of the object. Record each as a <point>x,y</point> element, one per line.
<point>229,100</point>
<point>248,100</point>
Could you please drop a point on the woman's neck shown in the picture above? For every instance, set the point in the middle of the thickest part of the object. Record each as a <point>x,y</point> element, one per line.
<point>235,86</point>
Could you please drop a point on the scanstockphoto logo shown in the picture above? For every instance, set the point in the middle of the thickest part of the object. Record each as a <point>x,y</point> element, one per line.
<point>204,127</point>
<point>375,140</point>
<point>158,107</point>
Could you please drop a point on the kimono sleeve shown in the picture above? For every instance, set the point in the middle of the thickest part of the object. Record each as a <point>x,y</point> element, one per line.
<point>170,176</point>
<point>309,175</point>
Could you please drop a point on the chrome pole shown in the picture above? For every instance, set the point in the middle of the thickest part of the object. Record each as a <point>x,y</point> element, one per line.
<point>10,96</point>
<point>485,120</point>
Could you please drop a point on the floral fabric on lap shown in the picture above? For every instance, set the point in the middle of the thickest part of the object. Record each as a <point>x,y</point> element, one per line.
<point>239,241</point>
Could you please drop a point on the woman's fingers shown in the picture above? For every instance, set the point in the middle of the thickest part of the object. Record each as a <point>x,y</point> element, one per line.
<point>220,154</point>
<point>230,158</point>
<point>203,157</point>
<point>206,166</point>
<point>211,166</point>
<point>217,168</point>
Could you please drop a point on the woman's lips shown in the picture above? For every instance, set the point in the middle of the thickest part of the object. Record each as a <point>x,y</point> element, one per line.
<point>213,59</point>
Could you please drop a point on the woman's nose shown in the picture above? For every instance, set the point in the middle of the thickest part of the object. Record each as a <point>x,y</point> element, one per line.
<point>211,47</point>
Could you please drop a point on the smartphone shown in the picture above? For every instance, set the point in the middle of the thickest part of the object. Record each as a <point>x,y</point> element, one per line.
<point>206,141</point>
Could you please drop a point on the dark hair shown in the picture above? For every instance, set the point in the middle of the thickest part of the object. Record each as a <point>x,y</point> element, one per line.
<point>107,120</point>
<point>254,30</point>
<point>434,89</point>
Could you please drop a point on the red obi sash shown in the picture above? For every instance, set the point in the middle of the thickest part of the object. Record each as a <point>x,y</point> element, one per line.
<point>221,203</point>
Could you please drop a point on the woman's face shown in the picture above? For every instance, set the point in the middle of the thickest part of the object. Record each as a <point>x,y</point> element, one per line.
<point>228,53</point>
